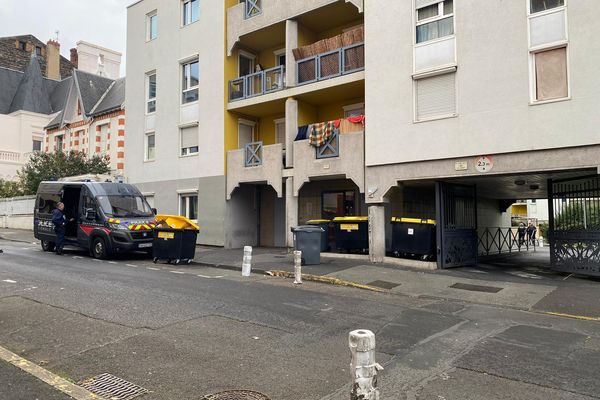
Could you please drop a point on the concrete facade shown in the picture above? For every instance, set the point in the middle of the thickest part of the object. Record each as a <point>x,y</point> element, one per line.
<point>98,60</point>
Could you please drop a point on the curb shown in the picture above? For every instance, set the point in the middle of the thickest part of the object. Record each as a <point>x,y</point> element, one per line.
<point>326,279</point>
<point>15,240</point>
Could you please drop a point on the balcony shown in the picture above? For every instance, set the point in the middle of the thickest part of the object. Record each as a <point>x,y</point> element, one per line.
<point>341,156</point>
<point>263,82</point>
<point>331,64</point>
<point>255,164</point>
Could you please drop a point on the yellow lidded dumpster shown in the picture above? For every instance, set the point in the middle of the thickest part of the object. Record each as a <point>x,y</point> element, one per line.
<point>324,224</point>
<point>414,236</point>
<point>351,234</point>
<point>174,239</point>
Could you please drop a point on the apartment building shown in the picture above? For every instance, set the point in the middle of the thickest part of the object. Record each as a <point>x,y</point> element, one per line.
<point>451,111</point>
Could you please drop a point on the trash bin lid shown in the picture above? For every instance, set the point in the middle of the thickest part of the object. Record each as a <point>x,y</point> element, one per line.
<point>351,219</point>
<point>308,228</point>
<point>318,221</point>
<point>414,221</point>
<point>177,222</point>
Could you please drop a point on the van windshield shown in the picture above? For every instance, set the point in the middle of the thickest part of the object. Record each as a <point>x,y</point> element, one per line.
<point>124,206</point>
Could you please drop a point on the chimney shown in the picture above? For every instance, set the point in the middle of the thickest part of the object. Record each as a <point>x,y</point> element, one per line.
<point>53,60</point>
<point>74,58</point>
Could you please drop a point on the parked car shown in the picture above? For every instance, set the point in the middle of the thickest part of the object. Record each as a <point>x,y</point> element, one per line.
<point>105,218</point>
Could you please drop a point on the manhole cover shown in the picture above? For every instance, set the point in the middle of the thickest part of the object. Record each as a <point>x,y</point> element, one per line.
<point>476,288</point>
<point>383,284</point>
<point>236,395</point>
<point>113,388</point>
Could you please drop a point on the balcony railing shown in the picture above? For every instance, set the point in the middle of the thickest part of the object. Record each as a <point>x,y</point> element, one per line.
<point>10,156</point>
<point>259,83</point>
<point>328,65</point>
<point>331,147</point>
<point>253,154</point>
<point>252,8</point>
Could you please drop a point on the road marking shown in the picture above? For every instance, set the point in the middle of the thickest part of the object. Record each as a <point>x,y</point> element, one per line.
<point>77,257</point>
<point>153,269</point>
<point>210,277</point>
<point>76,392</point>
<point>177,272</point>
<point>113,262</point>
<point>9,281</point>
<point>581,317</point>
<point>131,265</point>
<point>95,259</point>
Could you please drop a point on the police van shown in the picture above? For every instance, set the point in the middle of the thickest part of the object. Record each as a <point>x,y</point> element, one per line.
<point>104,217</point>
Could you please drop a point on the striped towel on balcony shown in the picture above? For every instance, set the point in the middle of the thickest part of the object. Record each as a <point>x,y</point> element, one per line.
<point>320,133</point>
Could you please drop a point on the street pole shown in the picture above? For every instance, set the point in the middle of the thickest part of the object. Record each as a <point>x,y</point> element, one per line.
<point>247,261</point>
<point>363,367</point>
<point>297,267</point>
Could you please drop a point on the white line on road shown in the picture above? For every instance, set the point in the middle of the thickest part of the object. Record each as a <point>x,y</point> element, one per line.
<point>9,281</point>
<point>95,259</point>
<point>210,277</point>
<point>153,269</point>
<point>131,265</point>
<point>177,272</point>
<point>113,262</point>
<point>77,257</point>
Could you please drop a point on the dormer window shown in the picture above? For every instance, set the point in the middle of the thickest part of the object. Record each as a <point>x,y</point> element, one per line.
<point>78,108</point>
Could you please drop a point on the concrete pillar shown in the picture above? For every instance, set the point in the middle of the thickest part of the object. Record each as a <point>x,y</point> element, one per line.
<point>291,130</point>
<point>291,43</point>
<point>291,210</point>
<point>377,233</point>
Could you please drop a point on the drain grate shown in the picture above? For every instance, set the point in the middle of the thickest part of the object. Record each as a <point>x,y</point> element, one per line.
<point>476,288</point>
<point>236,395</point>
<point>383,284</point>
<point>113,388</point>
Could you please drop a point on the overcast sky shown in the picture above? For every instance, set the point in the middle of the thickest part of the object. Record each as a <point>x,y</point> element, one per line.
<point>102,22</point>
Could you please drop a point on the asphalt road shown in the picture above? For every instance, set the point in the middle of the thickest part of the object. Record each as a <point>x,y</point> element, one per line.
<point>184,332</point>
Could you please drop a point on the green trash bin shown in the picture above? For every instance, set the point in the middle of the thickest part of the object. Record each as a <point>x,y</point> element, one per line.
<point>351,234</point>
<point>414,236</point>
<point>324,224</point>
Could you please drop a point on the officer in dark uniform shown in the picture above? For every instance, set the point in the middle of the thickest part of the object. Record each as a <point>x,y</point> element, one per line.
<point>60,221</point>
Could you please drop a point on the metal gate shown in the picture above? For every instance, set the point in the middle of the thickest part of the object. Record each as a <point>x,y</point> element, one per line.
<point>574,231</point>
<point>457,225</point>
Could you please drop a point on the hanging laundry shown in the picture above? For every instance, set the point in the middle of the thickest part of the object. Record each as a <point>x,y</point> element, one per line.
<point>359,119</point>
<point>352,125</point>
<point>320,133</point>
<point>302,133</point>
<point>337,123</point>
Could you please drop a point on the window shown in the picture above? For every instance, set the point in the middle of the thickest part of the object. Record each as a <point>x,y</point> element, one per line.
<point>338,204</point>
<point>22,46</point>
<point>435,21</point>
<point>152,26</point>
<point>188,206</point>
<point>435,97</point>
<point>60,139</point>
<point>280,131</point>
<point>354,110</point>
<point>150,146</point>
<point>37,145</point>
<point>189,141</point>
<point>191,11</point>
<point>151,93</point>
<point>150,200</point>
<point>551,81</point>
<point>245,63</point>
<point>191,77</point>
<point>47,202</point>
<point>103,134</point>
<point>536,6</point>
<point>280,57</point>
<point>38,51</point>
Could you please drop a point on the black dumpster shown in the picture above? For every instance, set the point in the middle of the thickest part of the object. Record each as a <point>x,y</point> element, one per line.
<point>324,224</point>
<point>351,234</point>
<point>307,239</point>
<point>414,237</point>
<point>174,239</point>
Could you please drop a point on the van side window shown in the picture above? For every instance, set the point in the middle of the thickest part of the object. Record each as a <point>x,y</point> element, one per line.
<point>47,202</point>
<point>89,203</point>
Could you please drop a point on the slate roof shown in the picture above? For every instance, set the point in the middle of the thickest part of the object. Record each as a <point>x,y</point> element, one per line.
<point>113,99</point>
<point>32,94</point>
<point>91,88</point>
<point>9,82</point>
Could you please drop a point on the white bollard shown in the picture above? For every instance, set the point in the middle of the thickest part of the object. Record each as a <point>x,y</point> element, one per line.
<point>297,267</point>
<point>363,367</point>
<point>541,240</point>
<point>247,261</point>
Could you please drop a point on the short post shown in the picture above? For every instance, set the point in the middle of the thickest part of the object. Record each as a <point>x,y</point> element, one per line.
<point>297,267</point>
<point>247,261</point>
<point>363,367</point>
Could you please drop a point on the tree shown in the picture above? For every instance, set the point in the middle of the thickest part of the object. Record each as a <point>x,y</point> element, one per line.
<point>10,189</point>
<point>53,166</point>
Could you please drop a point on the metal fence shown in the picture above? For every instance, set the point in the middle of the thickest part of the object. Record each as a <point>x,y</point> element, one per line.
<point>253,154</point>
<point>334,63</point>
<point>252,8</point>
<point>503,240</point>
<point>259,83</point>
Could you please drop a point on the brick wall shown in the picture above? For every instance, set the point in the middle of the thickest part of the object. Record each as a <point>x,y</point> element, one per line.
<point>11,56</point>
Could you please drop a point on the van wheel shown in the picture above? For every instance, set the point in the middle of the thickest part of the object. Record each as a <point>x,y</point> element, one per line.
<point>48,246</point>
<point>98,249</point>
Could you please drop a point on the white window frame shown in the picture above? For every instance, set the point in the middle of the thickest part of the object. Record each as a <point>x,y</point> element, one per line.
<point>188,152</point>
<point>277,122</point>
<point>188,21</point>
<point>278,54</point>
<point>248,123</point>
<point>249,56</point>
<point>184,65</point>
<point>149,16</point>
<point>103,139</point>
<point>187,194</point>
<point>37,139</point>
<point>60,138</point>
<point>148,99</point>
<point>353,107</point>
<point>438,17</point>
<point>146,135</point>
<point>545,47</point>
